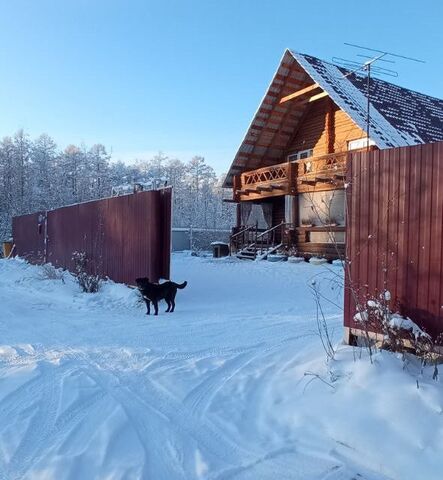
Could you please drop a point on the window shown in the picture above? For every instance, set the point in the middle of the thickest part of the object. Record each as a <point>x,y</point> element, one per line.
<point>300,155</point>
<point>359,143</point>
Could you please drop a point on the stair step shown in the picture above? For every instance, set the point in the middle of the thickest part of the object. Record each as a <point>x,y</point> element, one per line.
<point>245,257</point>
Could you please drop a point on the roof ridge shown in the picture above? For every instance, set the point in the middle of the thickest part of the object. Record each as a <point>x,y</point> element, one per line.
<point>372,78</point>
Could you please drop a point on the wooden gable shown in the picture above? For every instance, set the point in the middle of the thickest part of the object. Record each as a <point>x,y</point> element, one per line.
<point>325,128</point>
<point>285,122</point>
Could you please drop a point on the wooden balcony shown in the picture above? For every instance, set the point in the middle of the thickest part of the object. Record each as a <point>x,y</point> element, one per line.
<point>326,172</point>
<point>265,182</point>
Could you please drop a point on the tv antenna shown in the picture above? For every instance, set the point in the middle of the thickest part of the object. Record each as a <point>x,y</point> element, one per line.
<point>367,67</point>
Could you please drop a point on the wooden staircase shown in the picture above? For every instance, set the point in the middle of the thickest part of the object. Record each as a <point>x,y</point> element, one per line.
<point>251,244</point>
<point>256,253</point>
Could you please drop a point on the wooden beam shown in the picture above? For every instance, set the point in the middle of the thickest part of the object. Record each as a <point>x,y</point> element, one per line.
<point>318,96</point>
<point>264,189</point>
<point>329,228</point>
<point>236,183</point>
<point>298,93</point>
<point>339,176</point>
<point>292,175</point>
<point>330,127</point>
<point>323,179</point>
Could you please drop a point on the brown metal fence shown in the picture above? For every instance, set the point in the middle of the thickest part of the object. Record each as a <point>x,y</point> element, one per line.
<point>30,229</point>
<point>394,235</point>
<point>123,237</point>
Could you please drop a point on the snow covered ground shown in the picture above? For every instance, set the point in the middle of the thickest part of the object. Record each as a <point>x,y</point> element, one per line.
<point>233,385</point>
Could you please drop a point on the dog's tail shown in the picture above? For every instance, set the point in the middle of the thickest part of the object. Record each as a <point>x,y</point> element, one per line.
<point>181,285</point>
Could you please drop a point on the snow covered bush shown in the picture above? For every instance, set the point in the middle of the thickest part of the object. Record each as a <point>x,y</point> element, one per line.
<point>398,333</point>
<point>49,272</point>
<point>89,283</point>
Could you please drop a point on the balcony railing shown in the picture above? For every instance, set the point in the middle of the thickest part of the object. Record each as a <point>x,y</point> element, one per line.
<point>271,174</point>
<point>291,177</point>
<point>327,169</point>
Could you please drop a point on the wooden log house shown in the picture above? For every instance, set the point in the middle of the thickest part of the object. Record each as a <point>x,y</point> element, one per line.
<point>289,175</point>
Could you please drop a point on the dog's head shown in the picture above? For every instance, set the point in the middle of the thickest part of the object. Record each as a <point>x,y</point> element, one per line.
<point>142,282</point>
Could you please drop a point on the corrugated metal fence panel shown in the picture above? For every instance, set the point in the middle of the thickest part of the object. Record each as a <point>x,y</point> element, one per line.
<point>31,230</point>
<point>394,232</point>
<point>123,237</point>
<point>166,195</point>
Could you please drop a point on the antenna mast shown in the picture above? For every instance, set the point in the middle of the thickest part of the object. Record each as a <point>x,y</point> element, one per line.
<point>367,67</point>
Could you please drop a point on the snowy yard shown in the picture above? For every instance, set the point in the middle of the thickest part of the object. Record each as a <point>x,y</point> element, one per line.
<point>224,388</point>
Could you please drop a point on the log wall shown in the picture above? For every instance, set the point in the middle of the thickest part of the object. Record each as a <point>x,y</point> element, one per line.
<point>325,128</point>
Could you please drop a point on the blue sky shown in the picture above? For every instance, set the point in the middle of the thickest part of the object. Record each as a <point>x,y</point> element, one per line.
<point>184,77</point>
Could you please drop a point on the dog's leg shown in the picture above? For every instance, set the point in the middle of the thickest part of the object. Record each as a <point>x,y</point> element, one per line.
<point>148,307</point>
<point>155,302</point>
<point>173,305</point>
<point>169,306</point>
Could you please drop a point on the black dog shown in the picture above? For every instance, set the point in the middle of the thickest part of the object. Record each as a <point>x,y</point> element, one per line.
<point>153,292</point>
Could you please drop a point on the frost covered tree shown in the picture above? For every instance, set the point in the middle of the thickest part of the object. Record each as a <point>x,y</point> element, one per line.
<point>69,172</point>
<point>201,180</point>
<point>175,172</point>
<point>44,183</point>
<point>35,175</point>
<point>98,171</point>
<point>8,175</point>
<point>21,153</point>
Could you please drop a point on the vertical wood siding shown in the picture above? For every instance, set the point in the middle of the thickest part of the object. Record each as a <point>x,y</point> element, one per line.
<point>394,232</point>
<point>123,237</point>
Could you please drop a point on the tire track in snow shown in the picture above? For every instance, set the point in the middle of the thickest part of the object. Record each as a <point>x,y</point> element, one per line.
<point>44,430</point>
<point>156,465</point>
<point>66,423</point>
<point>137,398</point>
<point>199,399</point>
<point>40,425</point>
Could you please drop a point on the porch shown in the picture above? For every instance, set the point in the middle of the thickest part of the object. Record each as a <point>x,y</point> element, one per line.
<point>252,242</point>
<point>294,207</point>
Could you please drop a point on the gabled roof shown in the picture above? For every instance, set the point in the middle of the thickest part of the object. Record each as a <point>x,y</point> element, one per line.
<point>399,117</point>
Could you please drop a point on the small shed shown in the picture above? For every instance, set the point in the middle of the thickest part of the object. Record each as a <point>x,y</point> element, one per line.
<point>220,249</point>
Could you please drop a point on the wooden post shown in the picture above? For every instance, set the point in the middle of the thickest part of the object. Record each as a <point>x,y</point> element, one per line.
<point>330,126</point>
<point>292,178</point>
<point>295,219</point>
<point>237,186</point>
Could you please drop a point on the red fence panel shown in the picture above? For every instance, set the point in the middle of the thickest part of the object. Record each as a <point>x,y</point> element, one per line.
<point>123,237</point>
<point>394,232</point>
<point>31,230</point>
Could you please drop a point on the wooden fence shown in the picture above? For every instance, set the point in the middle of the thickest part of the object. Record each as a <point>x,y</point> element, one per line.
<point>394,235</point>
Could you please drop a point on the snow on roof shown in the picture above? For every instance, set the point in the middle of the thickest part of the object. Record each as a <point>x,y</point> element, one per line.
<point>399,117</point>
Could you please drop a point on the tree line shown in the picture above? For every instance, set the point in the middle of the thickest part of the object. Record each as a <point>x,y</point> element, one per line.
<point>37,175</point>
